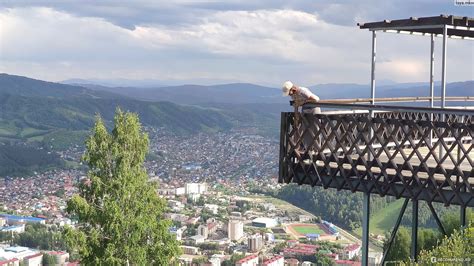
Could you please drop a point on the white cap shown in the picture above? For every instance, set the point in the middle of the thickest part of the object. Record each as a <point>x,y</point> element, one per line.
<point>287,87</point>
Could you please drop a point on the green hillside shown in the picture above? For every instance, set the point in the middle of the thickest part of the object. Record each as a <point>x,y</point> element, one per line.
<point>38,117</point>
<point>18,159</point>
<point>383,220</point>
<point>34,110</point>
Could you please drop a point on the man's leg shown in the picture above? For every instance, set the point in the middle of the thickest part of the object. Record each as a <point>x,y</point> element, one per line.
<point>310,129</point>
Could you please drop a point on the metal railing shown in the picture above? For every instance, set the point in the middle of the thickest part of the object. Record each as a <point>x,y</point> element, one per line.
<point>412,152</point>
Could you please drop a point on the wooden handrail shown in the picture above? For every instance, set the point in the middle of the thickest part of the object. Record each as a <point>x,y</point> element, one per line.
<point>398,99</point>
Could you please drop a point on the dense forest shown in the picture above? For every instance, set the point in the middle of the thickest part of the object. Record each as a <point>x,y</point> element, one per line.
<point>345,208</point>
<point>17,158</point>
<point>340,207</point>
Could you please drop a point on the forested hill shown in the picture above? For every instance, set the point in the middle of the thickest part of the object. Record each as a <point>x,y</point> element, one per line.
<point>32,108</point>
<point>37,117</point>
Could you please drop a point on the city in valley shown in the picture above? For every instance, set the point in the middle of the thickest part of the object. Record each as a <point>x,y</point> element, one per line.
<point>218,189</point>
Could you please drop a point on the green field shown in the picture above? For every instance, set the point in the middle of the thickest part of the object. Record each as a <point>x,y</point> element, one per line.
<point>308,229</point>
<point>384,220</point>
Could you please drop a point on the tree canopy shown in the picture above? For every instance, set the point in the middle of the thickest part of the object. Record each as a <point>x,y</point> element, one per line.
<point>457,249</point>
<point>120,216</point>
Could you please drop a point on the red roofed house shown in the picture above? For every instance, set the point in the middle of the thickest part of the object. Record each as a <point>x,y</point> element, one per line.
<point>34,260</point>
<point>274,261</point>
<point>251,260</point>
<point>12,262</point>
<point>347,263</point>
<point>301,250</point>
<point>292,262</point>
<point>351,251</point>
<point>61,256</point>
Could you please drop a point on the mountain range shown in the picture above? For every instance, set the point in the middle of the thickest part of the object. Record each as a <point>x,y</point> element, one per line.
<point>37,117</point>
<point>245,93</point>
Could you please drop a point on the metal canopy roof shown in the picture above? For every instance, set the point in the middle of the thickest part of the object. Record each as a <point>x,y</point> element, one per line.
<point>460,27</point>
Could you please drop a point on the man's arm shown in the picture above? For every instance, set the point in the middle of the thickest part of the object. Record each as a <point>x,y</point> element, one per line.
<point>313,97</point>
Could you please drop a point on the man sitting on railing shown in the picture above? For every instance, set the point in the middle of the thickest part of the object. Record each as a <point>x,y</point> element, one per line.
<point>301,96</point>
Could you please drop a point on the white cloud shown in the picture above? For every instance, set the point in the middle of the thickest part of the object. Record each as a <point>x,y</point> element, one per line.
<point>262,46</point>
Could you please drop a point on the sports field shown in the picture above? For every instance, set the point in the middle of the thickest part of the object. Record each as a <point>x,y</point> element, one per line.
<point>304,229</point>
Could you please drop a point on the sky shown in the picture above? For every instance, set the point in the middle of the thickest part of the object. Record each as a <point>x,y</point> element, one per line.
<point>264,42</point>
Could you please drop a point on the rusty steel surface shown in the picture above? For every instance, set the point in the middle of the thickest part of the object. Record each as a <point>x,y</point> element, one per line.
<point>417,155</point>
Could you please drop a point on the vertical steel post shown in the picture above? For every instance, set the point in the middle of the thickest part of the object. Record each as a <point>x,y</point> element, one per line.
<point>463,216</point>
<point>443,81</point>
<point>372,87</point>
<point>414,230</point>
<point>431,83</point>
<point>366,201</point>
<point>372,83</point>
<point>365,228</point>
<point>443,67</point>
<point>432,72</point>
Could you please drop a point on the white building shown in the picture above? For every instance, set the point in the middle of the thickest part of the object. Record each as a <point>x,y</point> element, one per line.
<point>180,191</point>
<point>264,222</point>
<point>14,229</point>
<point>351,251</point>
<point>274,261</point>
<point>190,250</point>
<point>61,256</point>
<point>202,188</point>
<point>192,188</point>
<point>195,188</point>
<point>251,260</point>
<point>3,221</point>
<point>17,252</point>
<point>375,258</point>
<point>203,230</point>
<point>216,259</point>
<point>235,229</point>
<point>194,197</point>
<point>34,260</point>
<point>255,242</point>
<point>197,239</point>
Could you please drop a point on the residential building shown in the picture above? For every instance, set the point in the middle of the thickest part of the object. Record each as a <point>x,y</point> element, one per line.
<point>14,229</point>
<point>180,191</point>
<point>235,229</point>
<point>10,262</point>
<point>351,251</point>
<point>61,256</point>
<point>16,252</point>
<point>251,260</point>
<point>292,262</point>
<point>14,219</point>
<point>217,259</point>
<point>197,239</point>
<point>255,242</point>
<point>189,250</point>
<point>195,188</point>
<point>34,260</point>
<point>274,261</point>
<point>203,230</point>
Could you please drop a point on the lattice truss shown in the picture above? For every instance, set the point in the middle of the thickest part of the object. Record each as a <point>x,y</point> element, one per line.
<point>421,156</point>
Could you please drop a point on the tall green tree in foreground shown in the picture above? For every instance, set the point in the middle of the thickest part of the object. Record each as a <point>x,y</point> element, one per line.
<point>457,249</point>
<point>119,212</point>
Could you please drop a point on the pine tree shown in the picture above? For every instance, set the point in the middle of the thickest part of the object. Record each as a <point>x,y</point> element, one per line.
<point>119,213</point>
